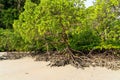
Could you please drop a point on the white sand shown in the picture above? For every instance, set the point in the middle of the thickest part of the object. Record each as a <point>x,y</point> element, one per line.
<point>28,69</point>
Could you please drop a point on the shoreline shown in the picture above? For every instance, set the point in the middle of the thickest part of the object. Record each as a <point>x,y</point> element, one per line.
<point>28,69</point>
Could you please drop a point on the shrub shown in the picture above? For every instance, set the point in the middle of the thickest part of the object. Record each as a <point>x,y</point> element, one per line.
<point>85,39</point>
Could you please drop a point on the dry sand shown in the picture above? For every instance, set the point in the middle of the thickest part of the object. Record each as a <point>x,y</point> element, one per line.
<point>28,69</point>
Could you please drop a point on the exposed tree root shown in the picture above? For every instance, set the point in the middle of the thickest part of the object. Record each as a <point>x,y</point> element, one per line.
<point>106,59</point>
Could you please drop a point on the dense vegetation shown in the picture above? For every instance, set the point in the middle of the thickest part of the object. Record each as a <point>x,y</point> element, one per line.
<point>50,25</point>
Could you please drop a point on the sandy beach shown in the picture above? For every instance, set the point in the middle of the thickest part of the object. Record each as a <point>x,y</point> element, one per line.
<point>28,69</point>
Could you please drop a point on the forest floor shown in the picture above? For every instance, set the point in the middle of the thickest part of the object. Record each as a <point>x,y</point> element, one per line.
<point>28,69</point>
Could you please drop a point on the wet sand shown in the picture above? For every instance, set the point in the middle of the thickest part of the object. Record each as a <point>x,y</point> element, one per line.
<point>28,69</point>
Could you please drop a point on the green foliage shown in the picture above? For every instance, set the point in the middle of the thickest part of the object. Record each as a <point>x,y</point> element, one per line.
<point>86,39</point>
<point>8,16</point>
<point>10,41</point>
<point>106,13</point>
<point>54,25</point>
<point>27,27</point>
<point>10,10</point>
<point>113,33</point>
<point>49,21</point>
<point>5,40</point>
